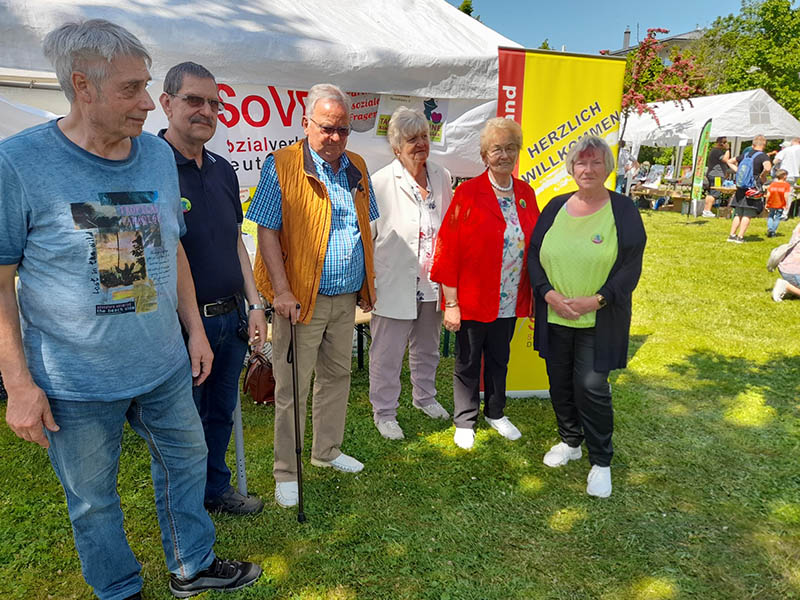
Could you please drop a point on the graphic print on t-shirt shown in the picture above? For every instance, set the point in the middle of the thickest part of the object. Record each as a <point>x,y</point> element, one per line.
<point>127,258</point>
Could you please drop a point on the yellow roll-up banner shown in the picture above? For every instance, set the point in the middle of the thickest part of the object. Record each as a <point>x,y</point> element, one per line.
<point>557,98</point>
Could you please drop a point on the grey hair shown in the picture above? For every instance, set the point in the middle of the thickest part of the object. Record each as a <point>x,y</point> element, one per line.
<point>173,81</point>
<point>585,144</point>
<point>406,123</point>
<point>326,91</point>
<point>759,140</point>
<point>89,47</point>
<point>500,124</point>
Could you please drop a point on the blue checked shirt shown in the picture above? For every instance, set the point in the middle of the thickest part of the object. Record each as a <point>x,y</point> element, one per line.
<point>343,271</point>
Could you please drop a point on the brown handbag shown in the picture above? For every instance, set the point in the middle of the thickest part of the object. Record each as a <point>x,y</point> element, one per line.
<point>259,382</point>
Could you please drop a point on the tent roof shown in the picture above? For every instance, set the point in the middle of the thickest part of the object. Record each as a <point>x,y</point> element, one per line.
<point>16,117</point>
<point>414,47</point>
<point>739,114</point>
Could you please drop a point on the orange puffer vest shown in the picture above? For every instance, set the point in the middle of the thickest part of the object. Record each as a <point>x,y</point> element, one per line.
<point>306,213</point>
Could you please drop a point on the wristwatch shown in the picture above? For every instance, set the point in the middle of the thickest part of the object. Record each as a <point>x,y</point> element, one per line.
<point>600,300</point>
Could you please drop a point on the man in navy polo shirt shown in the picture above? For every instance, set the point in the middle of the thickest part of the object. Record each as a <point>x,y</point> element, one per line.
<point>220,267</point>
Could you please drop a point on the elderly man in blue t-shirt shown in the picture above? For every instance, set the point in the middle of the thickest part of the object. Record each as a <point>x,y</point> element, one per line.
<point>90,218</point>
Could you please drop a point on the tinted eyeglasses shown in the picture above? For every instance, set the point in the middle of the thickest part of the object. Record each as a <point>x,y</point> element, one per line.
<point>198,101</point>
<point>342,131</point>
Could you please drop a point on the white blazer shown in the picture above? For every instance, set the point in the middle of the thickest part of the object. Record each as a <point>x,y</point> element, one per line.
<point>396,236</point>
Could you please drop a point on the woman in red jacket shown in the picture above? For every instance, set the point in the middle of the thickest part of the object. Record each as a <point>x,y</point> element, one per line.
<point>481,262</point>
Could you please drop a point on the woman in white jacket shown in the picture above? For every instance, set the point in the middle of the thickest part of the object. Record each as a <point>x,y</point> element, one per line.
<point>413,194</point>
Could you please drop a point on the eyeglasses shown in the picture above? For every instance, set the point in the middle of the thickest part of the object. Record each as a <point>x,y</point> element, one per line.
<point>510,150</point>
<point>327,130</point>
<point>216,105</point>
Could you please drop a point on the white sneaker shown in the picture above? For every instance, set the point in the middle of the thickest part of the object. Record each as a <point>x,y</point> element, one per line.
<point>599,482</point>
<point>708,213</point>
<point>343,463</point>
<point>434,410</point>
<point>464,437</point>
<point>505,428</point>
<point>561,454</point>
<point>391,430</point>
<point>286,494</point>
<point>779,289</point>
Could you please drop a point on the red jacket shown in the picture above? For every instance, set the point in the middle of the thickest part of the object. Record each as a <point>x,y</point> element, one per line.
<point>469,248</point>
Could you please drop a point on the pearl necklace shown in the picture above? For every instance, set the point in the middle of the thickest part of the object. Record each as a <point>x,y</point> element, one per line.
<point>500,188</point>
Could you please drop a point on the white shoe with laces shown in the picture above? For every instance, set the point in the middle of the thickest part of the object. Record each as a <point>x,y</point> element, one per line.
<point>343,463</point>
<point>505,428</point>
<point>464,437</point>
<point>286,494</point>
<point>434,410</point>
<point>598,483</point>
<point>561,454</point>
<point>779,289</point>
<point>391,430</point>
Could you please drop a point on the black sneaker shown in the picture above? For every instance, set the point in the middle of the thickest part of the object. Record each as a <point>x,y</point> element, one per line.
<point>731,238</point>
<point>225,575</point>
<point>739,240</point>
<point>234,503</point>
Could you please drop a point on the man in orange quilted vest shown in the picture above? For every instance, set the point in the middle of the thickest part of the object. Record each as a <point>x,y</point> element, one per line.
<point>313,206</point>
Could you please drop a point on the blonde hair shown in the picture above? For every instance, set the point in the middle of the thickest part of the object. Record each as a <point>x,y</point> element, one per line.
<point>501,124</point>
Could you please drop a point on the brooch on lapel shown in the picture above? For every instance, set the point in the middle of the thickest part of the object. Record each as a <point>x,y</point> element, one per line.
<point>523,204</point>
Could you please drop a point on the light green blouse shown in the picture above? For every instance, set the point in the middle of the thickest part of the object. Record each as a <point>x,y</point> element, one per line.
<point>577,254</point>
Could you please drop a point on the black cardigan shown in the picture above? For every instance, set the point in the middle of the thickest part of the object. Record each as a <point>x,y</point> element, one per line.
<point>613,323</point>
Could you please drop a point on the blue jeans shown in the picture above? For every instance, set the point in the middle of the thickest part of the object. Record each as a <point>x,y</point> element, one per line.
<point>774,219</point>
<point>85,455</point>
<point>216,397</point>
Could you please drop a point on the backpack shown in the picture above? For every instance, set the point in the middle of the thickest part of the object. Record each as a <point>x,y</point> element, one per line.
<point>779,253</point>
<point>745,178</point>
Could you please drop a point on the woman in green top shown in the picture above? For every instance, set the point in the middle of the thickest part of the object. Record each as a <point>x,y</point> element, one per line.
<point>585,259</point>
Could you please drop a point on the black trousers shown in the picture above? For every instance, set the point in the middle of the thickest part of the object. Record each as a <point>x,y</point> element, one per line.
<point>581,396</point>
<point>476,340</point>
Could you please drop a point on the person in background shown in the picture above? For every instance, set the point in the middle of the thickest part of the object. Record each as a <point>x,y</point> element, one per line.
<point>626,166</point>
<point>313,205</point>
<point>718,158</point>
<point>413,194</point>
<point>746,207</point>
<point>480,262</point>
<point>777,193</point>
<point>789,270</point>
<point>789,159</point>
<point>585,262</point>
<point>90,214</point>
<point>220,267</point>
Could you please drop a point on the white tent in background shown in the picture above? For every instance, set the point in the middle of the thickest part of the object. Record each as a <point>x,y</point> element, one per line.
<point>14,117</point>
<point>417,48</point>
<point>741,115</point>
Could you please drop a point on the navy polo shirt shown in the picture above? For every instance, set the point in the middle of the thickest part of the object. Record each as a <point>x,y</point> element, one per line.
<point>213,213</point>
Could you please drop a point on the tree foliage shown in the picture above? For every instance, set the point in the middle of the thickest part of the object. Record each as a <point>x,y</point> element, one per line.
<point>466,7</point>
<point>649,79</point>
<point>759,47</point>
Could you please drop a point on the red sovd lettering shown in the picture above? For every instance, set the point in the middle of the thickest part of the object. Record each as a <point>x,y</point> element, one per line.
<point>226,92</point>
<point>246,111</point>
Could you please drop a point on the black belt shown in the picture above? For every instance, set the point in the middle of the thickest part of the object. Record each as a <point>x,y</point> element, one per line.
<point>219,307</point>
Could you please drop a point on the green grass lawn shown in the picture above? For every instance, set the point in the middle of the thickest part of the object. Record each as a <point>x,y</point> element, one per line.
<point>706,500</point>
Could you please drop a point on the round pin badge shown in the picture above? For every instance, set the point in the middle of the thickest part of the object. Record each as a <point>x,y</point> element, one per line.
<point>186,204</point>
<point>597,239</point>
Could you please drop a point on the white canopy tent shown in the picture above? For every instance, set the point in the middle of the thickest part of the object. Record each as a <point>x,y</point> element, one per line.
<point>738,116</point>
<point>419,48</point>
<point>14,117</point>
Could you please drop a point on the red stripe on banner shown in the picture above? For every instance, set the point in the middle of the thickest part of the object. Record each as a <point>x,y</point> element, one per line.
<point>511,79</point>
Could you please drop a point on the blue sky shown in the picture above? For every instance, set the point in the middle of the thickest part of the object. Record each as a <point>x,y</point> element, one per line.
<point>587,27</point>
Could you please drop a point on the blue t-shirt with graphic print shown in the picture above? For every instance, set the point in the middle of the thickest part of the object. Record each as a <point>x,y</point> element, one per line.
<point>96,243</point>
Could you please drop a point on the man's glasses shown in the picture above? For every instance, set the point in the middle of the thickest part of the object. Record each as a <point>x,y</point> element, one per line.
<point>198,101</point>
<point>342,131</point>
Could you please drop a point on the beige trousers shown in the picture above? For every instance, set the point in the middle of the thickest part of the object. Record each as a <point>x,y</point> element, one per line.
<point>325,348</point>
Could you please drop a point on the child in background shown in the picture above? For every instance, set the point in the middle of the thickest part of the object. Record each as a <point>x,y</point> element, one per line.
<point>777,192</point>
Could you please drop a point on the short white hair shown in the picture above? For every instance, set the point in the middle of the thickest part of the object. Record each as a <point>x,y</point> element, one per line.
<point>404,124</point>
<point>89,47</point>
<point>500,124</point>
<point>595,144</point>
<point>326,91</point>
